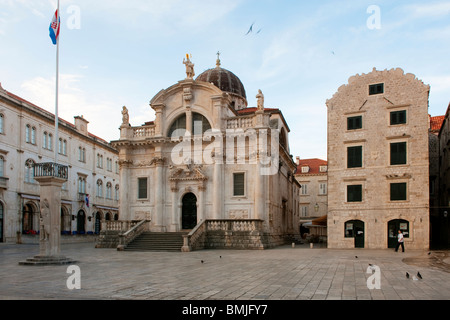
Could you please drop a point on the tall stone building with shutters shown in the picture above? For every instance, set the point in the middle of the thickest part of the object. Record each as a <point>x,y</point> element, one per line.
<point>209,165</point>
<point>378,161</point>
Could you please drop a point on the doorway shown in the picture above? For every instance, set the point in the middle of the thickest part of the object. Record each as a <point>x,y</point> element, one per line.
<point>189,211</point>
<point>393,227</point>
<point>355,229</point>
<point>81,220</point>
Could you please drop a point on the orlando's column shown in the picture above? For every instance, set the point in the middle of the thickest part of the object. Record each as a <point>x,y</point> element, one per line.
<point>51,177</point>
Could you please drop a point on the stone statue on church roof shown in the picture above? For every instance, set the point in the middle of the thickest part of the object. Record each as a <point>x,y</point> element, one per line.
<point>189,67</point>
<point>260,97</point>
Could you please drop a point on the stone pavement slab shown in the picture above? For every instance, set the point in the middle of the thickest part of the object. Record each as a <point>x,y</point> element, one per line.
<point>283,273</point>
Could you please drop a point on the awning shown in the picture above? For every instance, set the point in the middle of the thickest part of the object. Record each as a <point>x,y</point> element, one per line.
<point>321,221</point>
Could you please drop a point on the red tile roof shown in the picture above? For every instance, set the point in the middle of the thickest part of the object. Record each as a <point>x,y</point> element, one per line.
<point>436,123</point>
<point>313,164</point>
<point>253,109</point>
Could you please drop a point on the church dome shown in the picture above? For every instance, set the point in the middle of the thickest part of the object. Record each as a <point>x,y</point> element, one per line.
<point>225,80</point>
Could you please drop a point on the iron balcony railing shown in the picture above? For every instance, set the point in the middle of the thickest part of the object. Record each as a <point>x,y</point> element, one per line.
<point>51,169</point>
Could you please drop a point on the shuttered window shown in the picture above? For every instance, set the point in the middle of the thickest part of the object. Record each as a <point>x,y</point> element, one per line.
<point>398,117</point>
<point>354,123</point>
<point>354,157</point>
<point>354,193</point>
<point>398,191</point>
<point>398,153</point>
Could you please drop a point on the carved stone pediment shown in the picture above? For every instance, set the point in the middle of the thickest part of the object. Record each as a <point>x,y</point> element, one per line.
<point>189,172</point>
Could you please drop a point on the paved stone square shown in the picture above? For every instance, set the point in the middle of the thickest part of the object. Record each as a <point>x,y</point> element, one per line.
<point>283,273</point>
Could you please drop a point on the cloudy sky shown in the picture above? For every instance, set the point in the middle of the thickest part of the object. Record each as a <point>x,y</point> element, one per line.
<point>116,52</point>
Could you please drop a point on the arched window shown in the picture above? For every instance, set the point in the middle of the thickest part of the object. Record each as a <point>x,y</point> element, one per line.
<point>33,135</point>
<point>199,125</point>
<point>50,142</point>
<point>99,188</point>
<point>108,190</point>
<point>81,185</point>
<point>116,192</point>
<point>44,140</point>
<point>29,174</point>
<point>27,133</point>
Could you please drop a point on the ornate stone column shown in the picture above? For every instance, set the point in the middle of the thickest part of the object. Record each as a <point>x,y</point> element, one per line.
<point>217,190</point>
<point>51,177</point>
<point>175,226</point>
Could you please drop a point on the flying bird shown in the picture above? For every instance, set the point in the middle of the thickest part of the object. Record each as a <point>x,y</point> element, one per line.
<point>419,275</point>
<point>251,29</point>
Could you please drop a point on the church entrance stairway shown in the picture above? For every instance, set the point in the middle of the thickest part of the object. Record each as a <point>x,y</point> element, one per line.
<point>157,241</point>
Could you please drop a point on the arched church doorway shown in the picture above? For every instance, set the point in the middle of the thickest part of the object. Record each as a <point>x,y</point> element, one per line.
<point>189,211</point>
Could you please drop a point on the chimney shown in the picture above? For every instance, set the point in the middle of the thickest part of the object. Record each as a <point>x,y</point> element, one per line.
<point>297,160</point>
<point>81,124</point>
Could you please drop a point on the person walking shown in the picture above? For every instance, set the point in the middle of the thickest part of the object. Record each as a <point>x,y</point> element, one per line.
<point>400,240</point>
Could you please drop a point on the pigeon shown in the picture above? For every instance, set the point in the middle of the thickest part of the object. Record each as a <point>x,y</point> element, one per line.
<point>419,275</point>
<point>407,275</point>
<point>220,257</point>
<point>356,257</point>
<point>202,261</point>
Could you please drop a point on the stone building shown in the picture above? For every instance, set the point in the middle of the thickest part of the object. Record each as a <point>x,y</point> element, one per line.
<point>313,201</point>
<point>441,230</point>
<point>27,137</point>
<point>208,162</point>
<point>378,161</point>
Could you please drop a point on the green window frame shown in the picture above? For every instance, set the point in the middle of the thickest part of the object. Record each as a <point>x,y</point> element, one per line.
<point>354,193</point>
<point>354,123</point>
<point>399,191</point>
<point>398,153</point>
<point>354,157</point>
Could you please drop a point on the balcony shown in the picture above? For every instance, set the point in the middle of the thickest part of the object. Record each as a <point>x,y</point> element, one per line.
<point>51,169</point>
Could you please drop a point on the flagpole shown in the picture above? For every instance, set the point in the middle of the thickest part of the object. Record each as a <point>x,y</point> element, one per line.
<point>56,92</point>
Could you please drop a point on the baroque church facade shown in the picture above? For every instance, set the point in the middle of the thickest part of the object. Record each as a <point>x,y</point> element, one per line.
<point>209,158</point>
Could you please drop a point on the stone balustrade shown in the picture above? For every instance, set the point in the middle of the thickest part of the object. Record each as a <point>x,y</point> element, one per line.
<point>240,122</point>
<point>144,131</point>
<point>51,169</point>
<point>226,233</point>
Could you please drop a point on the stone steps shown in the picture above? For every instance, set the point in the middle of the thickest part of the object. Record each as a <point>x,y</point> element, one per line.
<point>157,241</point>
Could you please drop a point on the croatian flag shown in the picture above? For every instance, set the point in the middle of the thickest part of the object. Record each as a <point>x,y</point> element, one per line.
<point>54,28</point>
